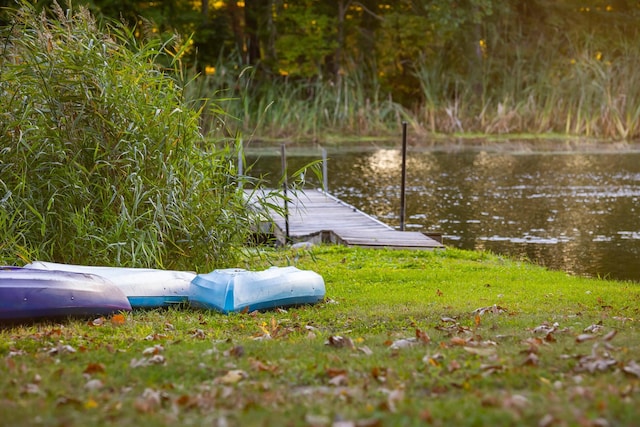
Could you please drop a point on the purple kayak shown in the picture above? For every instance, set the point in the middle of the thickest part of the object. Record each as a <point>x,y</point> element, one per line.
<point>27,294</point>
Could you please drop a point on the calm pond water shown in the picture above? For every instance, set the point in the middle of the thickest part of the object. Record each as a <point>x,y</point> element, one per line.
<point>572,210</point>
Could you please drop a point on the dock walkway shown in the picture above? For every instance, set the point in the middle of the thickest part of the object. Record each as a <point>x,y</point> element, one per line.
<point>316,216</point>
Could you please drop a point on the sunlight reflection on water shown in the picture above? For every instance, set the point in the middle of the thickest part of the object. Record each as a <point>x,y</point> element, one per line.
<point>573,211</point>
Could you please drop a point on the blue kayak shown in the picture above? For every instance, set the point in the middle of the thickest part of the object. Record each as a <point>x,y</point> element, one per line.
<point>27,294</point>
<point>145,287</point>
<point>233,289</point>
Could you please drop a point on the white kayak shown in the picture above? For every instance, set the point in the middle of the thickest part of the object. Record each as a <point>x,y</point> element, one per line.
<point>144,287</point>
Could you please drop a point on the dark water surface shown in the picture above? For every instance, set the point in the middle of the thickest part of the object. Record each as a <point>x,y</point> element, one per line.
<point>576,211</point>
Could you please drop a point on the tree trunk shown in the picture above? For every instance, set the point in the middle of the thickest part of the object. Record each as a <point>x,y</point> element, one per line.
<point>253,10</point>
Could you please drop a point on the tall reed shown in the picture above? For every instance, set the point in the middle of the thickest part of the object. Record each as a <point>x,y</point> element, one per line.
<point>570,83</point>
<point>103,161</point>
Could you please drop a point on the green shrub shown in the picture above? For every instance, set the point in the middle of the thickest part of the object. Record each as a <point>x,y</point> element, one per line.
<point>102,159</point>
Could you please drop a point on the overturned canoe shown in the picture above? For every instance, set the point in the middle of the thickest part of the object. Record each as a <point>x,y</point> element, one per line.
<point>27,294</point>
<point>233,289</point>
<point>145,287</point>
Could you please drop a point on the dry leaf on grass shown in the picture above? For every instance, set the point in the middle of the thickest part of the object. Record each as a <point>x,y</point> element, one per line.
<point>494,309</point>
<point>232,377</point>
<point>118,319</point>
<point>339,342</point>
<point>156,349</point>
<point>585,337</point>
<point>481,351</point>
<point>632,368</point>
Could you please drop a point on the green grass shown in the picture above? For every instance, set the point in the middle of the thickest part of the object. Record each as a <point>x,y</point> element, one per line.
<point>477,360</point>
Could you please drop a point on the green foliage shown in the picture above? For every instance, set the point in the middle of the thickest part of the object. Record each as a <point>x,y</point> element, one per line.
<point>305,39</point>
<point>102,159</point>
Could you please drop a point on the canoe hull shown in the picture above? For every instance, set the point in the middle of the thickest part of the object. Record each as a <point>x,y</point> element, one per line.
<point>145,287</point>
<point>233,290</point>
<point>32,294</point>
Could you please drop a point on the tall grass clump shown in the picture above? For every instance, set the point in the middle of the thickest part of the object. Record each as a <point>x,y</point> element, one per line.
<point>284,107</point>
<point>102,158</point>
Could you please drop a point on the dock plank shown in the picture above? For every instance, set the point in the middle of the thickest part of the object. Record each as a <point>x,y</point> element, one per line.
<point>317,216</point>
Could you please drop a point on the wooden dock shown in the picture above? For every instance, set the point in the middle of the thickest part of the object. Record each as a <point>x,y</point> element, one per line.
<point>315,216</point>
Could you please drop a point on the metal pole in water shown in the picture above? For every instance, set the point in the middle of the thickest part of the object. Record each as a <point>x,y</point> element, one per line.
<point>240,163</point>
<point>285,184</point>
<point>404,176</point>
<point>325,179</point>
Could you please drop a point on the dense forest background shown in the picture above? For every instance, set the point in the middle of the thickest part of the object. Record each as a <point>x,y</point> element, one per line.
<point>312,68</point>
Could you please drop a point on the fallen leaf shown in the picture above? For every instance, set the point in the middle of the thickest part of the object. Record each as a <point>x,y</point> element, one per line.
<point>198,334</point>
<point>433,360</point>
<point>97,322</point>
<point>155,337</point>
<point>93,368</point>
<point>380,374</point>
<point>422,336</point>
<point>403,343</point>
<point>495,309</point>
<point>149,401</point>
<point>90,404</point>
<point>584,337</point>
<point>232,377</point>
<point>454,365</point>
<point>394,397</point>
<point>491,369</point>
<point>93,384</point>
<point>545,328</point>
<point>532,359</point>
<point>118,319</point>
<point>593,329</point>
<point>516,401</point>
<point>157,359</point>
<point>459,341</point>
<point>480,351</point>
<point>264,367</point>
<point>334,372</point>
<point>156,349</point>
<point>339,380</point>
<point>632,368</point>
<point>366,350</point>
<point>339,342</point>
<point>596,361</point>
<point>61,349</point>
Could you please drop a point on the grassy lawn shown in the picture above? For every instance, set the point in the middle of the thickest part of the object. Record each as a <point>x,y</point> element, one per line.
<point>403,338</point>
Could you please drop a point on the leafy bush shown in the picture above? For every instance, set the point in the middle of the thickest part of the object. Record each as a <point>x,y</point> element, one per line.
<point>102,159</point>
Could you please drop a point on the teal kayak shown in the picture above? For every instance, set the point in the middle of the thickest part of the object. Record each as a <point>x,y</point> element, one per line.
<point>233,289</point>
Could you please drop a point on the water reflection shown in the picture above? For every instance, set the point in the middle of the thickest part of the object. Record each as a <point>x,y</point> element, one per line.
<point>571,211</point>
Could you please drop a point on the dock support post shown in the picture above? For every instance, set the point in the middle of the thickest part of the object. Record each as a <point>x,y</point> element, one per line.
<point>240,163</point>
<point>285,184</point>
<point>325,179</point>
<point>404,176</point>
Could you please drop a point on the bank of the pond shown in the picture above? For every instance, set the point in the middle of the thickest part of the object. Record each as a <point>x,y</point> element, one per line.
<point>404,338</point>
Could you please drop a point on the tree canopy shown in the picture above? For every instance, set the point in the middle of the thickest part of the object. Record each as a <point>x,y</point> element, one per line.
<point>417,52</point>
<point>327,38</point>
